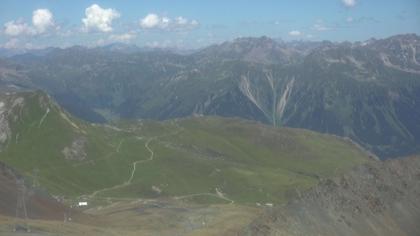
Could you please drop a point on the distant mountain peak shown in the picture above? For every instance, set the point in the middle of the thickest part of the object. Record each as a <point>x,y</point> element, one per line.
<point>263,40</point>
<point>261,50</point>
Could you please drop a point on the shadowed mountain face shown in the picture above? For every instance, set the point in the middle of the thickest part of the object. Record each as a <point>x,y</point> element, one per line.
<point>373,199</point>
<point>39,205</point>
<point>367,91</point>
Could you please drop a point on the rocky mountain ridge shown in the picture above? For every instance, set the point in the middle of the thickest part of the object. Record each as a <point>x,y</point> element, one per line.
<point>336,88</point>
<point>377,198</point>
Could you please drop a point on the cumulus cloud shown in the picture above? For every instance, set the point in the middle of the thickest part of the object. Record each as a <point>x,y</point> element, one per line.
<point>154,21</point>
<point>42,19</point>
<point>16,28</point>
<point>349,3</point>
<point>295,33</point>
<point>98,18</point>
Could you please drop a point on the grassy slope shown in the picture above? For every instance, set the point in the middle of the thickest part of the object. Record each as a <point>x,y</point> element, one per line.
<point>40,148</point>
<point>246,161</point>
<point>256,164</point>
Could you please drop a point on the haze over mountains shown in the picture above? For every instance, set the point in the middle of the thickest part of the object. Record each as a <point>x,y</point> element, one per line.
<point>368,91</point>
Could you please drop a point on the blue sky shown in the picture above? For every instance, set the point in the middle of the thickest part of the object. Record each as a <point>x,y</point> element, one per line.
<point>193,24</point>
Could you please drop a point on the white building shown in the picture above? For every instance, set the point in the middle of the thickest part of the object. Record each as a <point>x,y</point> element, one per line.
<point>82,204</point>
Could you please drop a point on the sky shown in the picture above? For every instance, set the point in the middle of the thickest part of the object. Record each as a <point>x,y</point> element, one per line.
<point>194,24</point>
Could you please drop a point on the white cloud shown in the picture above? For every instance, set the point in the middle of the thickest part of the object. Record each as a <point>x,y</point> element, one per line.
<point>181,20</point>
<point>98,18</point>
<point>154,44</point>
<point>295,33</point>
<point>15,43</point>
<point>320,27</point>
<point>166,44</point>
<point>16,28</point>
<point>12,43</point>
<point>113,38</point>
<point>349,19</point>
<point>124,38</point>
<point>98,43</point>
<point>154,21</point>
<point>194,23</point>
<point>349,3</point>
<point>42,19</point>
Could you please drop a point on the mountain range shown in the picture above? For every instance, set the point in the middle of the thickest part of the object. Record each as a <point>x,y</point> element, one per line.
<point>253,136</point>
<point>367,91</point>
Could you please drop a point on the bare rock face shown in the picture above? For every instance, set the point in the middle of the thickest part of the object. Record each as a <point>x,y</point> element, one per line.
<point>76,151</point>
<point>379,198</point>
<point>4,125</point>
<point>9,107</point>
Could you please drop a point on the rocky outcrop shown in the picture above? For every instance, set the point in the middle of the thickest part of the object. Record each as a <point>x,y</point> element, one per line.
<point>76,151</point>
<point>4,126</point>
<point>10,108</point>
<point>379,198</point>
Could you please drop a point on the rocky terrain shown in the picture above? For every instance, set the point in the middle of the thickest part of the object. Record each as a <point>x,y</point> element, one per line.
<point>379,198</point>
<point>39,204</point>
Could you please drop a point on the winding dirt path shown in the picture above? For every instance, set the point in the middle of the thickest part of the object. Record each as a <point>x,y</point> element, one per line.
<point>133,171</point>
<point>218,194</point>
<point>119,146</point>
<point>152,155</point>
<point>134,164</point>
